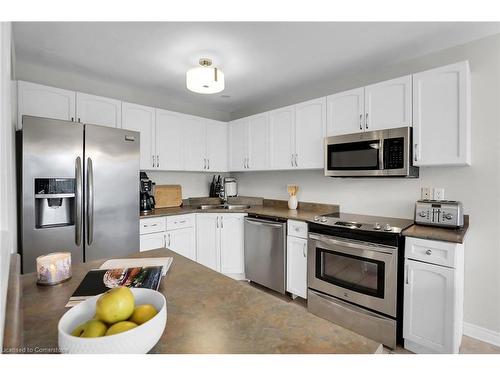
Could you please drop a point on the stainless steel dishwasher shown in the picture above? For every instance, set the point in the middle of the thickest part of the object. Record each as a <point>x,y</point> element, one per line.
<point>265,252</point>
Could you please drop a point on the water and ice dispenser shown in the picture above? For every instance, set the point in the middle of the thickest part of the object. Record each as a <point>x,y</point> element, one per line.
<point>54,202</point>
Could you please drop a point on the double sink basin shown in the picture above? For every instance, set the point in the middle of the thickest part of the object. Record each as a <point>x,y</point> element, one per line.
<point>223,207</point>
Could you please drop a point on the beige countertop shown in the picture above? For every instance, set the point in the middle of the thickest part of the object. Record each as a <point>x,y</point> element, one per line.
<point>207,313</point>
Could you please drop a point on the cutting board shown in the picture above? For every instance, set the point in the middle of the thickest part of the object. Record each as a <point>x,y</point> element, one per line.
<point>168,196</point>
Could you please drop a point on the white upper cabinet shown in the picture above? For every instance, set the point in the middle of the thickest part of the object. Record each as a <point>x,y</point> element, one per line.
<point>310,132</point>
<point>238,137</point>
<point>346,112</point>
<point>282,137</point>
<point>441,116</point>
<point>195,143</point>
<point>216,153</point>
<point>388,104</point>
<point>98,110</point>
<point>258,142</point>
<point>142,119</point>
<point>169,140</point>
<point>44,101</point>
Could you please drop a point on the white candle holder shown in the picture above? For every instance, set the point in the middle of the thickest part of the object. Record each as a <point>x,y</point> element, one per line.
<point>53,268</point>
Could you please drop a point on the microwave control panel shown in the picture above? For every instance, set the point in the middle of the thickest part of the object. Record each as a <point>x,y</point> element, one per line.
<point>394,150</point>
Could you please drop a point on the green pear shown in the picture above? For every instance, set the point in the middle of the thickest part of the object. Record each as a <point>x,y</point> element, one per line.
<point>91,328</point>
<point>120,327</point>
<point>115,305</point>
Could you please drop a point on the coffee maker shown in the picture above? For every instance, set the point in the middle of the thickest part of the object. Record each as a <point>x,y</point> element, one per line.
<point>146,198</point>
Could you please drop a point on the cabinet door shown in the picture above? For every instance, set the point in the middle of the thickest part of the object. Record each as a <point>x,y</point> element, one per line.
<point>195,143</point>
<point>441,116</point>
<point>310,132</point>
<point>182,241</point>
<point>208,240</point>
<point>152,241</point>
<point>346,112</point>
<point>169,138</point>
<point>296,266</point>
<point>97,110</point>
<point>282,137</point>
<point>141,119</point>
<point>216,146</point>
<point>388,104</point>
<point>231,244</point>
<point>429,300</point>
<point>238,138</point>
<point>45,101</point>
<point>258,142</point>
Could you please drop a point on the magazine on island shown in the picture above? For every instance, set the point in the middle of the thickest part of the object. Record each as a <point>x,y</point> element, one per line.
<point>101,280</point>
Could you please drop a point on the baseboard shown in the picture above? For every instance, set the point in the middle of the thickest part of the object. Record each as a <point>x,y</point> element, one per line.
<point>483,334</point>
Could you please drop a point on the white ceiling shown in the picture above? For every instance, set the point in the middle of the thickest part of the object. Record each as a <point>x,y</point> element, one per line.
<point>259,60</point>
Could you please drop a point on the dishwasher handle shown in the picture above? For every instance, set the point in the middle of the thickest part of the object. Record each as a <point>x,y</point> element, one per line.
<point>267,223</point>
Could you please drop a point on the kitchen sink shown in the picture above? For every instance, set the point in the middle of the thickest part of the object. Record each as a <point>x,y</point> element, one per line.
<point>223,207</point>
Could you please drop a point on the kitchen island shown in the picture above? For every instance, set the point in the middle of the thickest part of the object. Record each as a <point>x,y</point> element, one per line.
<point>207,313</point>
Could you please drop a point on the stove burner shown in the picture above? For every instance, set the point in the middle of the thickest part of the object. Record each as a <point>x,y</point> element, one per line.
<point>348,224</point>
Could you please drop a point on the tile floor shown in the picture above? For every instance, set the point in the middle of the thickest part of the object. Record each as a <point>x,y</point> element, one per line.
<point>469,345</point>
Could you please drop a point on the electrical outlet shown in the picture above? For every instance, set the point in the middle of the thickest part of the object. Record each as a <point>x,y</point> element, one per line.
<point>438,194</point>
<point>425,193</point>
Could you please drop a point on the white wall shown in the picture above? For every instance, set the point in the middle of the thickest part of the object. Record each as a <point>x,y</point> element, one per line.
<point>7,170</point>
<point>478,186</point>
<point>194,184</point>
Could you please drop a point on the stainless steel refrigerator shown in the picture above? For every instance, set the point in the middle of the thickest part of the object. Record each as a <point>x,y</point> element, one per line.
<point>78,190</point>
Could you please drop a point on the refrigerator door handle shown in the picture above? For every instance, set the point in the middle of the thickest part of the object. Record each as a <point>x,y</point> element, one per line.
<point>90,202</point>
<point>78,201</point>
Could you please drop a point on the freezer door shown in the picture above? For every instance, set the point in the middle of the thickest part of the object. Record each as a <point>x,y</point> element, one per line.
<point>50,158</point>
<point>111,169</point>
<point>265,249</point>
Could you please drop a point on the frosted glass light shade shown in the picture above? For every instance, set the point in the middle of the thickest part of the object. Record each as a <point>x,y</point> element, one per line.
<point>205,80</point>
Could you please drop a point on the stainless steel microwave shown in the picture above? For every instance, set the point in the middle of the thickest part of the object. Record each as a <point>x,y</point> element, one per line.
<point>379,153</point>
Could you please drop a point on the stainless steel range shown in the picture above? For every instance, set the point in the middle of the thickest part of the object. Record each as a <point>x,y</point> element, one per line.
<point>354,273</point>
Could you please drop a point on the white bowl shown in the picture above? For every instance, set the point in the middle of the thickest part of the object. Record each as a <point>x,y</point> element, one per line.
<point>138,340</point>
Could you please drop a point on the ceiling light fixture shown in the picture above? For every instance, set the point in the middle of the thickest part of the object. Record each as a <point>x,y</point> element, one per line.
<point>205,79</point>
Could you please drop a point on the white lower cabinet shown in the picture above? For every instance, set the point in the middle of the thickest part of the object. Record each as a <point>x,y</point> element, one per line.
<point>152,241</point>
<point>433,300</point>
<point>296,258</point>
<point>182,241</point>
<point>219,239</point>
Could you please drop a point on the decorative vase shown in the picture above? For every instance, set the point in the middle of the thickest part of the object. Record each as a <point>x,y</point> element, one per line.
<point>293,202</point>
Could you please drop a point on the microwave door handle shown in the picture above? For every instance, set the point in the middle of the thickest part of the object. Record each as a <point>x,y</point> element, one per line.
<point>381,155</point>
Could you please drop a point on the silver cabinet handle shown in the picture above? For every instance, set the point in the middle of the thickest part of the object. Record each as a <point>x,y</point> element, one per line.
<point>360,121</point>
<point>154,161</point>
<point>158,161</point>
<point>304,250</point>
<point>150,225</point>
<point>407,270</point>
<point>296,160</point>
<point>415,149</point>
<point>366,120</point>
<point>78,201</point>
<point>205,163</point>
<point>168,236</point>
<point>208,163</point>
<point>222,222</point>
<point>217,222</point>
<point>429,252</point>
<point>291,159</point>
<point>90,202</point>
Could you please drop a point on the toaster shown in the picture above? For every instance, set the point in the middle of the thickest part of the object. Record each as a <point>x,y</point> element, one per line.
<point>439,213</point>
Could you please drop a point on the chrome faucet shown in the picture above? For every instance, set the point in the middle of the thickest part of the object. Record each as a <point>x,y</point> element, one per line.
<point>222,194</point>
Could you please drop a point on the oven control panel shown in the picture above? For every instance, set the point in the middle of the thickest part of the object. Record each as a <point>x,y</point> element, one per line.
<point>439,213</point>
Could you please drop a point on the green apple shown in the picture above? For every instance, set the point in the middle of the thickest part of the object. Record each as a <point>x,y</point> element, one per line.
<point>91,328</point>
<point>143,313</point>
<point>120,327</point>
<point>115,305</point>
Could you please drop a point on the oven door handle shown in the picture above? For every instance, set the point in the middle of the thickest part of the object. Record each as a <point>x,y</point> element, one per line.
<point>346,242</point>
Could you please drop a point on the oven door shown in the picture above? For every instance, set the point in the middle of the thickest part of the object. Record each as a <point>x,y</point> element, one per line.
<point>360,272</point>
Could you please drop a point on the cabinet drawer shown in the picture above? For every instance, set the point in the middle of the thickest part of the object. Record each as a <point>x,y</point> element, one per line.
<point>152,225</point>
<point>297,228</point>
<point>435,252</point>
<point>180,221</point>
